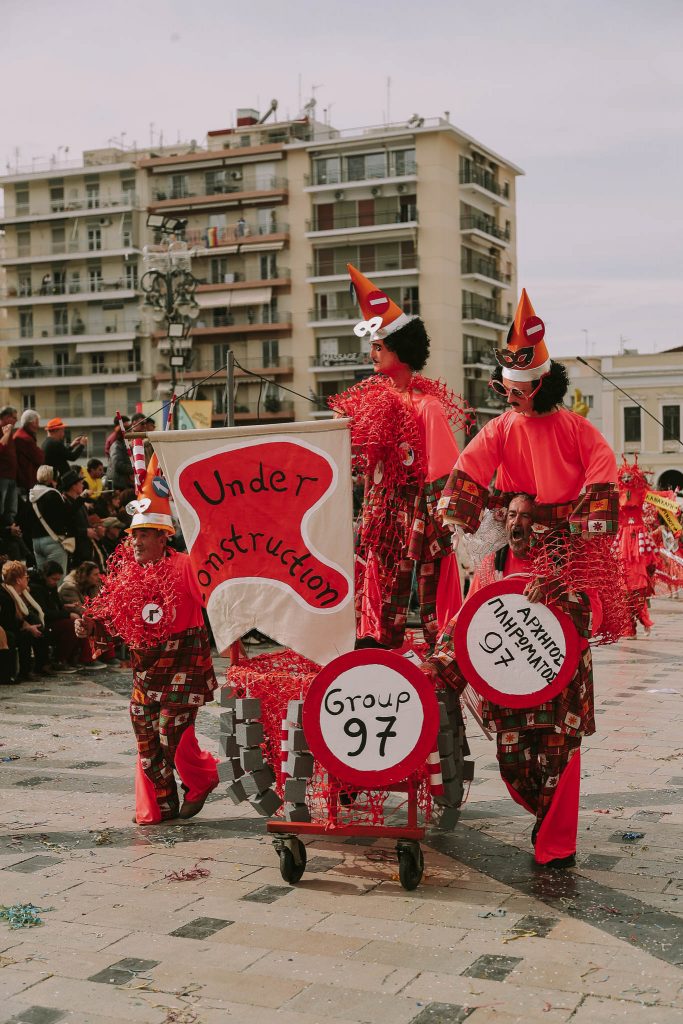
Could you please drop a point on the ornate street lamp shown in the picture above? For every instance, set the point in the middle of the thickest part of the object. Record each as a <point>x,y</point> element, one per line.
<point>169,287</point>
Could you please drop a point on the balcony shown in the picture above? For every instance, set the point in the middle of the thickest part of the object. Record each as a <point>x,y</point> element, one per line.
<point>477,352</point>
<point>483,181</point>
<point>62,374</point>
<point>248,189</point>
<point>319,182</point>
<point>211,241</point>
<point>484,314</point>
<point>378,221</point>
<point>482,268</point>
<point>343,314</point>
<point>485,228</point>
<point>330,362</point>
<point>389,265</point>
<point>236,282</point>
<point>65,251</point>
<point>240,322</point>
<point>482,397</point>
<point>278,366</point>
<point>269,410</point>
<point>99,291</point>
<point>61,209</point>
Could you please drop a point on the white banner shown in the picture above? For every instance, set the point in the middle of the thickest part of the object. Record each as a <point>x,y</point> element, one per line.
<point>266,512</point>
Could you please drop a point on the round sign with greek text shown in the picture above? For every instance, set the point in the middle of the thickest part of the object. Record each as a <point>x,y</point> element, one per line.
<point>515,653</point>
<point>371,718</point>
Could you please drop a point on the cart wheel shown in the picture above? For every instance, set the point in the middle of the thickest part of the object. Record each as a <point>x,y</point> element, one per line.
<point>292,866</point>
<point>410,865</point>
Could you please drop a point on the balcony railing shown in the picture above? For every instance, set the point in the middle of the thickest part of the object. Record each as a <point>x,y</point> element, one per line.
<point>72,247</point>
<point>339,359</point>
<point>477,351</point>
<point>481,311</point>
<point>488,227</point>
<point>244,319</point>
<point>351,312</point>
<point>474,264</point>
<point>380,264</point>
<point>239,277</point>
<point>277,365</point>
<point>480,395</point>
<point>235,234</point>
<point>88,204</point>
<point>76,327</point>
<point>486,180</point>
<point>342,176</point>
<point>405,215</point>
<point>247,183</point>
<point>65,288</point>
<point>36,371</point>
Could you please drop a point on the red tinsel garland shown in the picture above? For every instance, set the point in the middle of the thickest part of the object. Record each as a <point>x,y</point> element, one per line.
<point>127,588</point>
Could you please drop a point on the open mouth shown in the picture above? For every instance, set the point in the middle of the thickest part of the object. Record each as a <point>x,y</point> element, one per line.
<point>517,533</point>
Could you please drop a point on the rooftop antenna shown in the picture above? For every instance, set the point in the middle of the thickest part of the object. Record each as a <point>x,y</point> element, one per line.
<point>388,100</point>
<point>151,134</point>
<point>271,110</point>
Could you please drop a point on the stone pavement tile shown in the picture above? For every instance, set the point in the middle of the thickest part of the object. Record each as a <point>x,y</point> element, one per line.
<point>177,950</point>
<point>362,927</point>
<point>327,1002</point>
<point>442,960</point>
<point>435,936</point>
<point>370,906</point>
<point>114,1004</point>
<point>495,1014</point>
<point>14,1013</point>
<point>230,870</point>
<point>459,916</point>
<point>256,989</point>
<point>634,884</point>
<point>284,913</point>
<point>319,969</point>
<point>509,995</point>
<point>295,939</point>
<point>442,1013</point>
<point>594,1010</point>
<point>14,980</point>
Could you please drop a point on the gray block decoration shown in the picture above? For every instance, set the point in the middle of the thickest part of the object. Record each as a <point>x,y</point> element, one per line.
<point>266,803</point>
<point>449,767</point>
<point>249,734</point>
<point>299,766</point>
<point>251,759</point>
<point>445,741</point>
<point>258,782</point>
<point>227,721</point>
<point>296,740</point>
<point>230,770</point>
<point>226,700</point>
<point>453,791</point>
<point>295,791</point>
<point>295,709</point>
<point>247,708</point>
<point>228,746</point>
<point>296,812</point>
<point>235,792</point>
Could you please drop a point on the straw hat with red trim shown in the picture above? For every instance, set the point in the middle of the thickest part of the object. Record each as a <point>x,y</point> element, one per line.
<point>526,356</point>
<point>151,508</point>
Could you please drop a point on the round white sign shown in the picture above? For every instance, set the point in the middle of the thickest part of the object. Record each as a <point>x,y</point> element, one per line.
<point>152,613</point>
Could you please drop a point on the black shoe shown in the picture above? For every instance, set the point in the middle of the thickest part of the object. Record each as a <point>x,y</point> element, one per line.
<point>534,833</point>
<point>365,642</point>
<point>561,863</point>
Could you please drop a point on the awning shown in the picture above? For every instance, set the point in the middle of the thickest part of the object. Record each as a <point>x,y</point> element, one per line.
<point>105,346</point>
<point>234,299</point>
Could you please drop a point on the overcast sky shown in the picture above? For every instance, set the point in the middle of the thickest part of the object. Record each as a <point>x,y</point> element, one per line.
<point>585,95</point>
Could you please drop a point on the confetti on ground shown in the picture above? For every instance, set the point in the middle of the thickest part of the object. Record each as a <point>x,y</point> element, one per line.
<point>630,837</point>
<point>187,875</point>
<point>23,915</point>
<point>101,838</point>
<point>493,913</point>
<point>520,935</point>
<point>10,757</point>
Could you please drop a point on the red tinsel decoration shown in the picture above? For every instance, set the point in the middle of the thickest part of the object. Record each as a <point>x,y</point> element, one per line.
<point>127,588</point>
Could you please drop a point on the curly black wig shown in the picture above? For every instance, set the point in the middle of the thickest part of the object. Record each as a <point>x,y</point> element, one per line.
<point>410,343</point>
<point>553,389</point>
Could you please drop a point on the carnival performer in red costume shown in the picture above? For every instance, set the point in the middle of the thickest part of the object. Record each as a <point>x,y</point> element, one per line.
<point>542,449</point>
<point>150,599</point>
<point>536,746</point>
<point>402,437</point>
<point>634,544</point>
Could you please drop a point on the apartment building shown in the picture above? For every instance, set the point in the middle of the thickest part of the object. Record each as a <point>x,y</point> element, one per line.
<point>655,381</point>
<point>72,337</point>
<point>272,212</point>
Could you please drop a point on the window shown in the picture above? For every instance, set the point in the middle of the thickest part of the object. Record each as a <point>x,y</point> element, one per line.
<point>21,198</point>
<point>126,231</point>
<point>128,190</point>
<point>408,208</point>
<point>268,264</point>
<point>62,405</point>
<point>220,356</point>
<point>327,171</point>
<point>24,282</point>
<point>271,352</point>
<point>60,320</point>
<point>77,408</point>
<point>94,237</point>
<point>404,161</point>
<point>28,401</point>
<point>264,175</point>
<point>216,182</point>
<point>131,275</point>
<point>61,356</point>
<point>24,243</point>
<point>94,279</point>
<point>368,165</point>
<point>58,238</point>
<point>25,323</point>
<point>632,431</point>
<point>92,192</point>
<point>671,416</point>
<point>133,396</point>
<point>98,437</point>
<point>218,269</point>
<point>135,358</point>
<point>179,188</point>
<point>57,197</point>
<point>97,401</point>
<point>97,362</point>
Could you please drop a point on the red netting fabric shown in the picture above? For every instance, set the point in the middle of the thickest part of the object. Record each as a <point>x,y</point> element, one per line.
<point>275,679</point>
<point>570,563</point>
<point>127,588</point>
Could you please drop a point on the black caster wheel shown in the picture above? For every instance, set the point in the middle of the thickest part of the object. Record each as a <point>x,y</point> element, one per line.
<point>292,861</point>
<point>410,865</point>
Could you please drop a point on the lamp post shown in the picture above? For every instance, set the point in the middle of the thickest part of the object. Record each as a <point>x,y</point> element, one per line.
<point>169,287</point>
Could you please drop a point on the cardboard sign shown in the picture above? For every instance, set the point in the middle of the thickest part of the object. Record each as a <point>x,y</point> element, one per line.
<point>371,718</point>
<point>514,653</point>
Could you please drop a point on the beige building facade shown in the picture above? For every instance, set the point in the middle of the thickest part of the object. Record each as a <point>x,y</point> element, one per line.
<point>273,212</point>
<point>655,381</point>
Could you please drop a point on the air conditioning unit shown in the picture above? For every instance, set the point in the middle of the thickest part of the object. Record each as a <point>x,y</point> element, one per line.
<point>104,222</point>
<point>236,175</point>
<point>400,188</point>
<point>338,195</point>
<point>375,191</point>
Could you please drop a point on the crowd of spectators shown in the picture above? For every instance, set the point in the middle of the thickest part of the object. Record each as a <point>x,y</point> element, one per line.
<point>61,517</point>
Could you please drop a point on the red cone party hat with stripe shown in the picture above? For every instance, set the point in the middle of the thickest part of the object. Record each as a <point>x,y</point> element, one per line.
<point>381,315</point>
<point>526,356</point>
<point>151,508</point>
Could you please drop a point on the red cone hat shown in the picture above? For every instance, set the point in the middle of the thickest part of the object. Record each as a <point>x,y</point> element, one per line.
<point>526,356</point>
<point>151,508</point>
<point>381,315</point>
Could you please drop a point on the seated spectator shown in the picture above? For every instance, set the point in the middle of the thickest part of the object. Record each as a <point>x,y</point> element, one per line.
<point>22,620</point>
<point>82,582</point>
<point>59,619</point>
<point>52,529</point>
<point>57,453</point>
<point>113,534</point>
<point>92,475</point>
<point>29,453</point>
